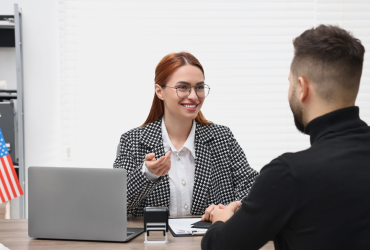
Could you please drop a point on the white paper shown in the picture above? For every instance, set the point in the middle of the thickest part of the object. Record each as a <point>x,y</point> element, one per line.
<point>184,225</point>
<point>2,247</point>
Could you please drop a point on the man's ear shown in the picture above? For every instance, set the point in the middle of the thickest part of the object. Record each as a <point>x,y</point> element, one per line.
<point>303,89</point>
<point>158,91</point>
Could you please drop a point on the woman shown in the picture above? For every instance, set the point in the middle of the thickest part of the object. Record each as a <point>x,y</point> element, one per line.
<point>177,158</point>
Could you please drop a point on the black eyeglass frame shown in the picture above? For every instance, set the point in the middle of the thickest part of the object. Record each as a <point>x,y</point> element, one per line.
<point>205,85</point>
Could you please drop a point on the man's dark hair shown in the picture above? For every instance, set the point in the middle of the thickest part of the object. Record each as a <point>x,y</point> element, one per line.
<point>332,59</point>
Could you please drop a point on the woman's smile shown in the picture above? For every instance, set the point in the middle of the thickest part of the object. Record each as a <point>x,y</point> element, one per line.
<point>190,106</point>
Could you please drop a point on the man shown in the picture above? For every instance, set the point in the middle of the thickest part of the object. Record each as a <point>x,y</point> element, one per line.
<point>317,198</point>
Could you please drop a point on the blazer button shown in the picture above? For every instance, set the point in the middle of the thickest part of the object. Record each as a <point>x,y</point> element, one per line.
<point>186,206</point>
<point>183,182</point>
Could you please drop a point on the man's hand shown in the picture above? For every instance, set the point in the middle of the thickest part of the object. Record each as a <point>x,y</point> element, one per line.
<point>207,216</point>
<point>222,213</point>
<point>158,167</point>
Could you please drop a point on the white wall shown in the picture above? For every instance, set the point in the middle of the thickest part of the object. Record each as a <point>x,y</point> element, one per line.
<point>245,47</point>
<point>41,88</point>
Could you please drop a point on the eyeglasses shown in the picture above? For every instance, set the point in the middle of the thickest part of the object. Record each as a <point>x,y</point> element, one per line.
<point>184,90</point>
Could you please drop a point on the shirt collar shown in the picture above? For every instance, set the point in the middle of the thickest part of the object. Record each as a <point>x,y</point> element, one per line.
<point>336,121</point>
<point>189,144</point>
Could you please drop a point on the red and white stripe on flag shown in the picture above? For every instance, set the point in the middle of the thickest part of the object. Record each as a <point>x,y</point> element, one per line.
<point>9,183</point>
<point>10,187</point>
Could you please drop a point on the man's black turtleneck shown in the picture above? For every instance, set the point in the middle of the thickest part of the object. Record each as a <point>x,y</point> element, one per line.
<point>313,199</point>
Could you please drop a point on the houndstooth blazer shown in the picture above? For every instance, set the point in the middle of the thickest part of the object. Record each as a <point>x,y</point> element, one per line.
<point>222,173</point>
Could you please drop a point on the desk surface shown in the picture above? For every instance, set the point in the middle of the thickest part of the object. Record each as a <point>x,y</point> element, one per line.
<point>14,235</point>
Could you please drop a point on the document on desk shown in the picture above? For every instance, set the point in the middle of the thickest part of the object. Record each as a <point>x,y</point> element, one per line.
<point>182,227</point>
<point>2,247</point>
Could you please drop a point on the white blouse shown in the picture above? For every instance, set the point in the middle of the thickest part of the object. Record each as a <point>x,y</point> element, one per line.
<point>181,174</point>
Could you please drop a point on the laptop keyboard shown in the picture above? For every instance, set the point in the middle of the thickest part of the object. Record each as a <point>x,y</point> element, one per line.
<point>128,234</point>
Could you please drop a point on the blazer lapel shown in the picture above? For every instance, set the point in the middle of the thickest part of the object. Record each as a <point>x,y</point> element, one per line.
<point>152,134</point>
<point>203,164</point>
<point>151,137</point>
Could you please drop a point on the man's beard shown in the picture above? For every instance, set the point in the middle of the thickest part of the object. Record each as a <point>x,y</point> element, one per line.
<point>297,112</point>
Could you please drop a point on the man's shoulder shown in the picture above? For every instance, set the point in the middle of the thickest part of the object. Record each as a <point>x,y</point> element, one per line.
<point>291,157</point>
<point>294,162</point>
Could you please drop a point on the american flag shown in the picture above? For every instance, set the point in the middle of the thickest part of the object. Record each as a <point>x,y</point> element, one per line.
<point>9,183</point>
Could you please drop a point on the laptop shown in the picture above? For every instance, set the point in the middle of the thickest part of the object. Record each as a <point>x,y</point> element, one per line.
<point>78,204</point>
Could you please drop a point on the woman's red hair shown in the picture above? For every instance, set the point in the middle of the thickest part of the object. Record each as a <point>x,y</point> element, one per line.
<point>164,69</point>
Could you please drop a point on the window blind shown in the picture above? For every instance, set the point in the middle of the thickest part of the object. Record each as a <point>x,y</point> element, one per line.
<point>109,51</point>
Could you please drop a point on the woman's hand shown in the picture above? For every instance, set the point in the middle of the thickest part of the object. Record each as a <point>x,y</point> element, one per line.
<point>222,213</point>
<point>158,167</point>
<point>208,214</point>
